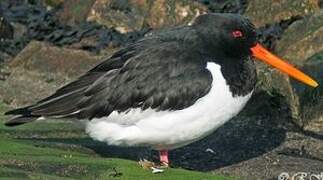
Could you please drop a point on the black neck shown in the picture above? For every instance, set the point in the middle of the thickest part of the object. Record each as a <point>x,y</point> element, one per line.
<point>240,75</point>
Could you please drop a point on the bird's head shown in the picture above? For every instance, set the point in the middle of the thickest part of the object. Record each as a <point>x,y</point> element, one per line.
<point>235,37</point>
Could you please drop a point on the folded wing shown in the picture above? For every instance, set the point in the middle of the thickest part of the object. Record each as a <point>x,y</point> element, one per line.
<point>151,73</point>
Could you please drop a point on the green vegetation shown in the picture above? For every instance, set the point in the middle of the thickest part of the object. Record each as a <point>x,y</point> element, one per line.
<point>29,152</point>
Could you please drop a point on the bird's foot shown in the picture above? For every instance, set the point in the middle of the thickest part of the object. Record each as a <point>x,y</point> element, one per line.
<point>155,168</point>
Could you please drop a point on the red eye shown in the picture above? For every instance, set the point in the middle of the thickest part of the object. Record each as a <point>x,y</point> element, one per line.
<point>237,34</point>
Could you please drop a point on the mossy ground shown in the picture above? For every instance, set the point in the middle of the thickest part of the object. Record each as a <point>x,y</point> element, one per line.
<point>30,152</point>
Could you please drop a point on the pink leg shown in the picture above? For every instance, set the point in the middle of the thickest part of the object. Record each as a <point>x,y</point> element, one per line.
<point>163,156</point>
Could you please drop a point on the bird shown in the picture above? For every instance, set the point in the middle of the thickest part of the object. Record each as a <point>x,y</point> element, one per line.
<point>171,88</point>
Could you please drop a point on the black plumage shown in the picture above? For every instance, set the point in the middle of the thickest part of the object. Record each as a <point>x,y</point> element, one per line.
<point>166,70</point>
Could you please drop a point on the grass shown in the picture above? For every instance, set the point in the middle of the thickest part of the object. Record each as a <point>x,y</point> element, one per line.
<point>29,152</point>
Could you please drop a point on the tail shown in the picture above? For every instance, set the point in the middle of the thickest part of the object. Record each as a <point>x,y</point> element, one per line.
<point>62,104</point>
<point>21,116</point>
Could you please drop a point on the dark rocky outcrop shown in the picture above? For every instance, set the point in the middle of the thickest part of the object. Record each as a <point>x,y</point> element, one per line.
<point>50,26</point>
<point>301,44</point>
<point>264,12</point>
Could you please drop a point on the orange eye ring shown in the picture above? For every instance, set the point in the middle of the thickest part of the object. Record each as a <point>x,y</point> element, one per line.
<point>237,34</point>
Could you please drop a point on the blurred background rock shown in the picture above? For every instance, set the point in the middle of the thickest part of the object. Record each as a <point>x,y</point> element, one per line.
<point>44,44</point>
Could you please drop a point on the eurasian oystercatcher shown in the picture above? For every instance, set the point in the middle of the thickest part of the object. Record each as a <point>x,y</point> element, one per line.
<point>169,89</point>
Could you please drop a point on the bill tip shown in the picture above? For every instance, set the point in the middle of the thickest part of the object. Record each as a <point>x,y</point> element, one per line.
<point>315,84</point>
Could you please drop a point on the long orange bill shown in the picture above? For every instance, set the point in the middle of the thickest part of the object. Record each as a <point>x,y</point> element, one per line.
<point>263,54</point>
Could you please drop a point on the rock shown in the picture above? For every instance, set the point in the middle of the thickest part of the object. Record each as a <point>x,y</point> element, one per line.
<point>276,83</point>
<point>225,6</point>
<point>271,33</point>
<point>6,30</point>
<point>45,58</point>
<point>39,69</point>
<point>266,12</point>
<point>302,39</point>
<point>20,30</point>
<point>132,15</point>
<point>311,100</point>
<point>52,3</point>
<point>124,16</point>
<point>279,86</point>
<point>75,11</point>
<point>166,13</point>
<point>302,45</point>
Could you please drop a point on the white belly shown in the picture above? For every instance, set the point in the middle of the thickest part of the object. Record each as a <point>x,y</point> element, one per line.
<point>171,129</point>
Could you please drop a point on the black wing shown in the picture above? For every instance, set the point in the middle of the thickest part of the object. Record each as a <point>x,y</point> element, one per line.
<point>151,73</point>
